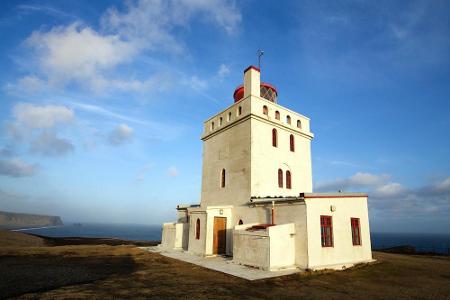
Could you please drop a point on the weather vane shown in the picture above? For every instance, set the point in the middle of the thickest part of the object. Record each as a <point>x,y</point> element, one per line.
<point>260,53</point>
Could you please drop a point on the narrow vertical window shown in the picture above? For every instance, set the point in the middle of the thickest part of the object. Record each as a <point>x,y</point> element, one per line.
<point>240,110</point>
<point>356,231</point>
<point>265,110</point>
<point>274,138</point>
<point>288,120</point>
<point>299,124</point>
<point>288,180</point>
<point>326,231</point>
<point>240,222</point>
<point>212,125</point>
<point>277,115</point>
<point>222,178</point>
<point>220,121</point>
<point>280,178</point>
<point>291,143</point>
<point>229,116</point>
<point>197,229</point>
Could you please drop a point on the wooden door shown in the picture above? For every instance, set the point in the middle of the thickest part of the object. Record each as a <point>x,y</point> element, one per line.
<point>220,235</point>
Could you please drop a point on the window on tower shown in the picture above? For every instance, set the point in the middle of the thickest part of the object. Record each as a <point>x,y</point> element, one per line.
<point>288,180</point>
<point>222,179</point>
<point>265,110</point>
<point>299,124</point>
<point>280,178</point>
<point>212,125</point>
<point>288,120</point>
<point>220,121</point>
<point>229,117</point>
<point>292,143</point>
<point>277,115</point>
<point>274,138</point>
<point>240,110</point>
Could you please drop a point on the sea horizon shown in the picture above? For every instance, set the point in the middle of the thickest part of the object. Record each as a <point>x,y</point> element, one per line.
<point>423,242</point>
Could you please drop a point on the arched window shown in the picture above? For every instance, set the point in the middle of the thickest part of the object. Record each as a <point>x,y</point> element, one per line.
<point>220,121</point>
<point>229,116</point>
<point>222,179</point>
<point>280,178</point>
<point>288,120</point>
<point>277,115</point>
<point>212,125</point>
<point>291,143</point>
<point>240,222</point>
<point>240,110</point>
<point>299,124</point>
<point>288,180</point>
<point>274,138</point>
<point>197,229</point>
<point>265,110</point>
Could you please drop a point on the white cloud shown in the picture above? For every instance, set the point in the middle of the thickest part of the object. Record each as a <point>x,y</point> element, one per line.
<point>173,171</point>
<point>120,135</point>
<point>78,53</point>
<point>48,144</point>
<point>388,199</point>
<point>223,71</point>
<point>17,168</point>
<point>47,116</point>
<point>360,179</point>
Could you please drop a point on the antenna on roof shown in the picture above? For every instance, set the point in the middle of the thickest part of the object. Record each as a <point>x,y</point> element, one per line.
<point>260,53</point>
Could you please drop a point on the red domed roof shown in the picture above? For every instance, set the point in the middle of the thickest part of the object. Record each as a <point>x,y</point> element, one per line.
<point>268,92</point>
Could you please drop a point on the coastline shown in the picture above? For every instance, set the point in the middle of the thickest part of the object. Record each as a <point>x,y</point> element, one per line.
<point>35,228</point>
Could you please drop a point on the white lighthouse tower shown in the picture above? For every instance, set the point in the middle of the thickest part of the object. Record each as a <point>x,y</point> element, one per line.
<point>257,182</point>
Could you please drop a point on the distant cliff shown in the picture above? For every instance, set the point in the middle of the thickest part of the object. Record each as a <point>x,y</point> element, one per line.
<point>9,220</point>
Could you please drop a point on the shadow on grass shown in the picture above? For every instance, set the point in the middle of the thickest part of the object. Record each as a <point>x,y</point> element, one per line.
<point>20,275</point>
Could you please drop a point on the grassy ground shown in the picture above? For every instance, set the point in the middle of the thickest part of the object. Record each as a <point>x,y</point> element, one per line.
<point>106,272</point>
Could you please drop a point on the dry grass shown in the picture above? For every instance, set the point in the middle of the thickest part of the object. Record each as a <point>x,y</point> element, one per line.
<point>110,272</point>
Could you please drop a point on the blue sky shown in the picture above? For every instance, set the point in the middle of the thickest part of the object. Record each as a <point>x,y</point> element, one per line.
<point>102,102</point>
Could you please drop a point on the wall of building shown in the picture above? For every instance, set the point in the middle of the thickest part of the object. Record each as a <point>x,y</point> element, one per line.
<point>220,211</point>
<point>282,246</point>
<point>343,251</point>
<point>227,147</point>
<point>197,246</point>
<point>251,248</point>
<point>266,159</point>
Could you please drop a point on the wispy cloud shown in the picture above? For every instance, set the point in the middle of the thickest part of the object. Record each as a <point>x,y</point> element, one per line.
<point>17,168</point>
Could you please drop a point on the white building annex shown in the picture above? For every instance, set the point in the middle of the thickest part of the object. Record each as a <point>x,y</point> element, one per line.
<point>257,203</point>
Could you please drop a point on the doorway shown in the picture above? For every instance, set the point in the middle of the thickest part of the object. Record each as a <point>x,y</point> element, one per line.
<point>220,235</point>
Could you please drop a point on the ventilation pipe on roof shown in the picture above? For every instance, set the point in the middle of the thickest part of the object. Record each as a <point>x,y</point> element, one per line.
<point>273,212</point>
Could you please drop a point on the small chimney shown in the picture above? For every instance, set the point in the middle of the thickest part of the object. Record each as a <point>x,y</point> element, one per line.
<point>252,82</point>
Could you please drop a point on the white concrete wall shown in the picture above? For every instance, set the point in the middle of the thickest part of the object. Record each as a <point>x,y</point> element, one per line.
<point>195,246</point>
<point>227,148</point>
<point>175,235</point>
<point>270,249</point>
<point>282,246</point>
<point>343,251</point>
<point>251,248</point>
<point>266,159</point>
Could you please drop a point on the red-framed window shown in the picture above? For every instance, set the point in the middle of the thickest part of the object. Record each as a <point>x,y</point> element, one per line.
<point>222,179</point>
<point>292,143</point>
<point>288,180</point>
<point>356,231</point>
<point>280,178</point>
<point>197,229</point>
<point>326,231</point>
<point>274,138</point>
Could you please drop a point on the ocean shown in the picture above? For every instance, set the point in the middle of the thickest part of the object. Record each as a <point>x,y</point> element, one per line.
<point>439,243</point>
